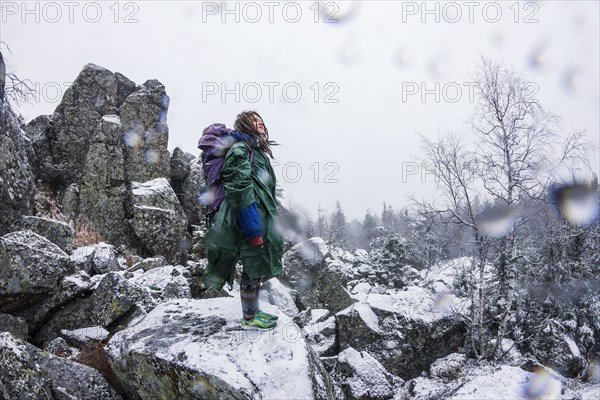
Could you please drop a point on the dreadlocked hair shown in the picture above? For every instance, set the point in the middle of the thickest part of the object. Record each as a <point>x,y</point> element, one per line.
<point>243,123</point>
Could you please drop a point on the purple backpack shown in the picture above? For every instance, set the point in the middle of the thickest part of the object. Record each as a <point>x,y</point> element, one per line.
<point>215,141</point>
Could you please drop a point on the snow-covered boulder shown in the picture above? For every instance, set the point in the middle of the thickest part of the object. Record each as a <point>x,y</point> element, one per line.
<point>97,258</point>
<point>196,349</point>
<point>321,335</point>
<point>31,268</point>
<point>317,284</point>
<point>360,376</point>
<point>405,330</point>
<point>275,293</point>
<point>27,372</point>
<point>558,351</point>
<point>448,368</point>
<point>82,337</point>
<point>159,220</point>
<point>161,284</point>
<point>147,264</point>
<point>485,383</point>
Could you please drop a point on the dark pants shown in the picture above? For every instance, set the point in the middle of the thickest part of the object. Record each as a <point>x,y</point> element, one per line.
<point>249,290</point>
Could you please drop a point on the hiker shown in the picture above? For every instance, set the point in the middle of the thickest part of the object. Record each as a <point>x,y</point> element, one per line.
<point>243,227</point>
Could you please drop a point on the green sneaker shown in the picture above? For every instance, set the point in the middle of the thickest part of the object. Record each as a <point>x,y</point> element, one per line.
<point>258,322</point>
<point>266,315</point>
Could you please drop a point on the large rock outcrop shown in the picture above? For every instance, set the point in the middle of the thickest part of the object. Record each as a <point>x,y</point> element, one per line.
<point>106,133</point>
<point>190,349</point>
<point>16,173</point>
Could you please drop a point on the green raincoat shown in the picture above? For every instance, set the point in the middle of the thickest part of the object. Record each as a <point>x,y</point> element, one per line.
<point>243,184</point>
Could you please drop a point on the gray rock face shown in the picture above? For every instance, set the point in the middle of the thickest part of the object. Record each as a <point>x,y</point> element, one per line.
<point>31,267</point>
<point>14,325</point>
<point>190,349</point>
<point>113,297</point>
<point>317,285</point>
<point>29,373</point>
<point>57,232</point>
<point>72,286</point>
<point>180,168</point>
<point>95,92</point>
<point>16,174</point>
<point>191,186</point>
<point>144,120</point>
<point>39,133</point>
<point>103,192</point>
<point>158,219</point>
<point>363,377</point>
<point>405,330</point>
<point>559,352</point>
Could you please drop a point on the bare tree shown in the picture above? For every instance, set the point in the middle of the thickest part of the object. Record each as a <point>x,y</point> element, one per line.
<point>515,140</point>
<point>454,167</point>
<point>13,90</point>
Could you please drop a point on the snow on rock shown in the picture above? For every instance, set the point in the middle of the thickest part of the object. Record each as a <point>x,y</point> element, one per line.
<point>448,368</point>
<point>161,284</point>
<point>443,276</point>
<point>321,336</point>
<point>196,349</point>
<point>275,293</point>
<point>405,330</point>
<point>509,383</point>
<point>27,372</point>
<point>363,377</point>
<point>159,220</point>
<point>82,336</point>
<point>458,378</point>
<point>96,259</point>
<point>316,284</point>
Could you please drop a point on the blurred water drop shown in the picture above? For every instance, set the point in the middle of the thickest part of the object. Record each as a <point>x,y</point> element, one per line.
<point>264,176</point>
<point>543,386</point>
<point>350,52</point>
<point>133,137</point>
<point>571,81</point>
<point>444,302</point>
<point>497,39</point>
<point>538,56</point>
<point>206,196</point>
<point>438,66</point>
<point>497,221</point>
<point>578,202</point>
<point>400,58</point>
<point>151,156</point>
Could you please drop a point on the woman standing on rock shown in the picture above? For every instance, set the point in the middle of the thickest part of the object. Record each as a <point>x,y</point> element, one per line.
<point>244,225</point>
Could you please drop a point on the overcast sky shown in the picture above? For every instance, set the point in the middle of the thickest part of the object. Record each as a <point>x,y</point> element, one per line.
<point>368,69</point>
